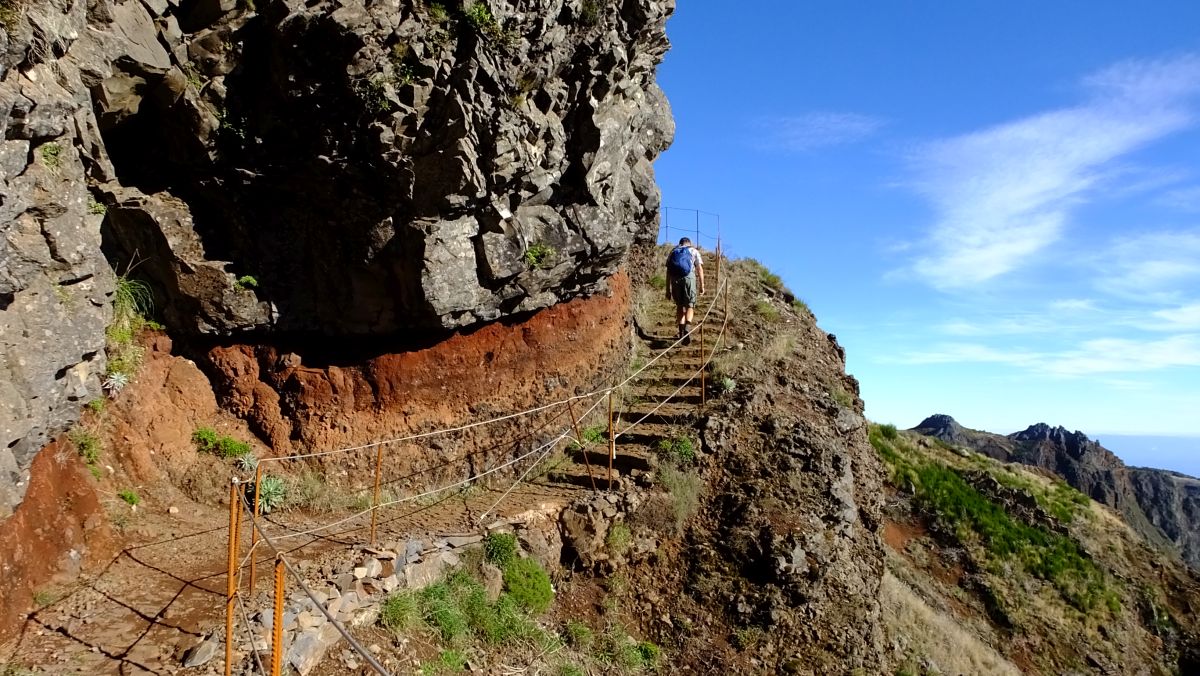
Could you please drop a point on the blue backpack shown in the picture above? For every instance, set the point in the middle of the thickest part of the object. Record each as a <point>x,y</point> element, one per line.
<point>679,263</point>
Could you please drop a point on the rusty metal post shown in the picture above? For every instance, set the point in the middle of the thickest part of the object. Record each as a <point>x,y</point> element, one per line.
<point>375,496</point>
<point>277,625</point>
<point>703,368</point>
<point>582,445</point>
<point>253,530</point>
<point>717,273</point>
<point>231,575</point>
<point>612,440</point>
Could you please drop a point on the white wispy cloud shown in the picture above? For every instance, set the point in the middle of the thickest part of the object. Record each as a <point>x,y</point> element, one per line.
<point>1183,199</point>
<point>1091,357</point>
<point>803,133</point>
<point>1182,318</point>
<point>1156,267</point>
<point>1005,193</point>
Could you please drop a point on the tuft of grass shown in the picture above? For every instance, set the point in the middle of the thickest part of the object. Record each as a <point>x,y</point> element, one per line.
<point>51,154</point>
<point>87,444</point>
<point>529,585</point>
<point>841,396</point>
<point>539,255</point>
<point>801,307</point>
<point>208,441</point>
<point>438,13</point>
<point>447,662</point>
<point>659,282</point>
<point>685,489</point>
<point>619,539</point>
<point>98,405</point>
<point>766,310</point>
<point>580,636</point>
<point>500,548</point>
<point>96,208</point>
<point>401,611</point>
<point>129,497</point>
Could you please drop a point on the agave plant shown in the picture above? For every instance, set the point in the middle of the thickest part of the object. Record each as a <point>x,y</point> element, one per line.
<point>248,463</point>
<point>272,491</point>
<point>115,382</point>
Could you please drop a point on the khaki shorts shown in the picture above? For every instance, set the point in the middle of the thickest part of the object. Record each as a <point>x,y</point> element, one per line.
<point>684,291</point>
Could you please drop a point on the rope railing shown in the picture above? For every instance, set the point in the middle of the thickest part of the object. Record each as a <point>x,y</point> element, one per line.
<point>239,500</point>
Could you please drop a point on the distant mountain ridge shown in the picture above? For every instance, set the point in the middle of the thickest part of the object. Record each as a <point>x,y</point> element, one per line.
<point>1161,505</point>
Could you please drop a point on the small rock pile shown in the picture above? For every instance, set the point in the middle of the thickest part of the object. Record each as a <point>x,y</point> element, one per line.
<point>352,593</point>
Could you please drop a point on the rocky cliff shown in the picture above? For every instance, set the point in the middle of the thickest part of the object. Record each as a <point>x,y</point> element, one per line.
<point>283,170</point>
<point>1162,506</point>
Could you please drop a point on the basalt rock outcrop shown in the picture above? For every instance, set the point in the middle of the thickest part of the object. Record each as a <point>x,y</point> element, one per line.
<point>285,168</point>
<point>1162,506</point>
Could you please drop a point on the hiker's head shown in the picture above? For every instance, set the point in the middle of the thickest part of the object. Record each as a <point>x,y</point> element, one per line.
<point>684,241</point>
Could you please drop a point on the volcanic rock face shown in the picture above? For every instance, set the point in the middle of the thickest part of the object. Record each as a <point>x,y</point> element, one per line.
<point>1163,506</point>
<point>287,167</point>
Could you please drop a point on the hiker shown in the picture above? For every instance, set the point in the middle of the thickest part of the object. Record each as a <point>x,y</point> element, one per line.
<point>684,270</point>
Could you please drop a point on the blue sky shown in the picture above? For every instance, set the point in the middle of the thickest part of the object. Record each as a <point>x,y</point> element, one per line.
<point>995,206</point>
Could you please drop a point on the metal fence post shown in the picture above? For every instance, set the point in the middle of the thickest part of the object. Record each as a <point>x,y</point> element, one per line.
<point>231,576</point>
<point>582,445</point>
<point>703,367</point>
<point>375,495</point>
<point>253,530</point>
<point>612,440</point>
<point>277,625</point>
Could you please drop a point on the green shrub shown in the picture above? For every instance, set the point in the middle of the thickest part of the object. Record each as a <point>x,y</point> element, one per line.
<point>98,405</point>
<point>678,450</point>
<point>590,13</point>
<point>659,282</point>
<point>245,282</point>
<point>594,434</point>
<point>529,585</point>
<point>500,548</point>
<point>205,438</point>
<point>438,13</point>
<point>480,17</point>
<point>619,539</point>
<point>129,496</point>
<point>228,447</point>
<point>649,653</point>
<point>889,432</point>
<point>539,255</point>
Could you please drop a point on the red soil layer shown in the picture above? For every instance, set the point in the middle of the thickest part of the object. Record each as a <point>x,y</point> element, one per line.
<point>59,529</point>
<point>564,350</point>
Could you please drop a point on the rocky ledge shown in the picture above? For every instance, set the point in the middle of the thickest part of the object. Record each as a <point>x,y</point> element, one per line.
<point>308,168</point>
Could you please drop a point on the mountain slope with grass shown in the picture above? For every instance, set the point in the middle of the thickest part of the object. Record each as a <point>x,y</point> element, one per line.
<point>997,567</point>
<point>1163,506</point>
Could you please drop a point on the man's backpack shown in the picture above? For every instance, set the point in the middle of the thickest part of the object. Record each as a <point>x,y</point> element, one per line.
<point>679,263</point>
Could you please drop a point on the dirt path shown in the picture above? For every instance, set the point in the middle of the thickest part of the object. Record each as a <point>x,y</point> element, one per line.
<point>161,596</point>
